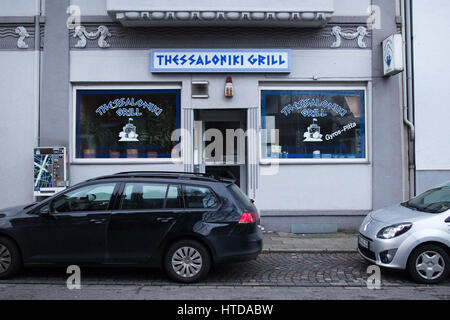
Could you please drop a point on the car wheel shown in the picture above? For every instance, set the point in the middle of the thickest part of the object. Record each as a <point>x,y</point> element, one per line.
<point>187,261</point>
<point>10,260</point>
<point>429,264</point>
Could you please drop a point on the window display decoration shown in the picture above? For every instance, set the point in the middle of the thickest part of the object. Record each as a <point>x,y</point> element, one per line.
<point>313,123</point>
<point>127,123</point>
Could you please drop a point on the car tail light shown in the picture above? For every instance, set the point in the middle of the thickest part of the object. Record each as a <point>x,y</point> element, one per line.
<point>249,217</point>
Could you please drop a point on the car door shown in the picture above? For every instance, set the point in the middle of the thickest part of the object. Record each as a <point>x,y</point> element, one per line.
<point>74,228</point>
<point>145,213</point>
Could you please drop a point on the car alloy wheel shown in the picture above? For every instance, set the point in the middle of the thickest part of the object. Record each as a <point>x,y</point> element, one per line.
<point>5,259</point>
<point>187,262</point>
<point>10,258</point>
<point>430,265</point>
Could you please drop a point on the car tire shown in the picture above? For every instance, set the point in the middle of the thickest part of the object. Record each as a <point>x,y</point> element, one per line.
<point>187,261</point>
<point>10,258</point>
<point>425,262</point>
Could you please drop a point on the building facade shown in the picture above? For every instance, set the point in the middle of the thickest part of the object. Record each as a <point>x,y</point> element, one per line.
<point>318,138</point>
<point>431,116</point>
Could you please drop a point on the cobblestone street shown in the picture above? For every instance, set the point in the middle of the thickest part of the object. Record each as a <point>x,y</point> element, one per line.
<point>270,269</point>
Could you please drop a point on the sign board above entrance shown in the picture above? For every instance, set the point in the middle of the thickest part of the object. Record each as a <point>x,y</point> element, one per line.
<point>220,60</point>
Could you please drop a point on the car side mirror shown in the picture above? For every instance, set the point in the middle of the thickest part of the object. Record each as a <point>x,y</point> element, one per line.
<point>252,200</point>
<point>45,211</point>
<point>447,220</point>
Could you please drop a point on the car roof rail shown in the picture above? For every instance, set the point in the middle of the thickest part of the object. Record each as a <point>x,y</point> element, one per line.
<point>176,173</point>
<point>167,174</point>
<point>163,174</point>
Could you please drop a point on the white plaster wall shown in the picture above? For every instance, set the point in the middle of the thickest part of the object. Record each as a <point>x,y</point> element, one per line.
<point>17,125</point>
<point>351,7</point>
<point>431,70</point>
<point>91,7</point>
<point>317,187</point>
<point>18,7</point>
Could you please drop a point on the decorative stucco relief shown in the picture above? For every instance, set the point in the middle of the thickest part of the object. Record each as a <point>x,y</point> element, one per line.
<point>360,33</point>
<point>22,32</point>
<point>102,33</point>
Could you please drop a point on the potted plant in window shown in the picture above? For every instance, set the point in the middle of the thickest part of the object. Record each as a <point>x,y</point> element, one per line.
<point>90,129</point>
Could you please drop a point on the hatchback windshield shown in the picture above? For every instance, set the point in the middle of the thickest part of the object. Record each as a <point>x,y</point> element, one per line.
<point>433,201</point>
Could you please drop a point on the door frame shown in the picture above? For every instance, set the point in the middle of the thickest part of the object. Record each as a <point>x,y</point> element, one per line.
<point>219,115</point>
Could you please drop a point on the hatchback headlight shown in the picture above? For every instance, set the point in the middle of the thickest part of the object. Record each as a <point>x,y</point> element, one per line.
<point>394,230</point>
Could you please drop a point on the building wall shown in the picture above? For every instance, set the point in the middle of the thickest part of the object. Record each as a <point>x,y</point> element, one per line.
<point>300,193</point>
<point>18,92</point>
<point>19,8</point>
<point>431,69</point>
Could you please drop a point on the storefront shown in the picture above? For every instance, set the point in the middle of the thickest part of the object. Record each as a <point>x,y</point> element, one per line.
<point>288,101</point>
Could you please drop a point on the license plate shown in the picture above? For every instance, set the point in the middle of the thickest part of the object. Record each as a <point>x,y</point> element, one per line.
<point>363,242</point>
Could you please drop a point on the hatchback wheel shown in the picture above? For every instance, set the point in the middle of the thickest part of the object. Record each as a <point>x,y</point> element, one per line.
<point>10,260</point>
<point>429,264</point>
<point>187,261</point>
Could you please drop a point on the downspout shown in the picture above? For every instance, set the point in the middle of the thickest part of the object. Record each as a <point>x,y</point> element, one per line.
<point>408,94</point>
<point>37,48</point>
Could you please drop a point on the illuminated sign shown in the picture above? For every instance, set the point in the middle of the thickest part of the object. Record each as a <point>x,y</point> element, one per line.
<point>393,55</point>
<point>220,60</point>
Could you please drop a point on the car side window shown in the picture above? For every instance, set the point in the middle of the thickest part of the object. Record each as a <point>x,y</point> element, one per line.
<point>143,196</point>
<point>199,197</point>
<point>94,197</point>
<point>174,199</point>
<point>151,196</point>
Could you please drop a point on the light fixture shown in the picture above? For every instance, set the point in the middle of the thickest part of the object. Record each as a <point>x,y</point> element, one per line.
<point>229,87</point>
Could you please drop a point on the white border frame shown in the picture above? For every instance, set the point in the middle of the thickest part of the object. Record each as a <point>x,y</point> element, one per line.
<point>73,123</point>
<point>367,120</point>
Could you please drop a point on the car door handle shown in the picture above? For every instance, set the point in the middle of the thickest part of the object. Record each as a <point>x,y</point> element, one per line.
<point>165,219</point>
<point>98,221</point>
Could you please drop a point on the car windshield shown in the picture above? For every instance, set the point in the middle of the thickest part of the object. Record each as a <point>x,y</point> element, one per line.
<point>436,200</point>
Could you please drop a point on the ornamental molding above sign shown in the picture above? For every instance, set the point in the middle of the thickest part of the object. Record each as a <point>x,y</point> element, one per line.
<point>222,18</point>
<point>120,37</point>
<point>101,34</point>
<point>288,13</point>
<point>19,36</point>
<point>360,33</point>
<point>22,32</point>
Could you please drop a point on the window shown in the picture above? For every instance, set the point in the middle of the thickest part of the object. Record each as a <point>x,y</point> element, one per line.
<point>151,196</point>
<point>173,199</point>
<point>127,123</point>
<point>241,197</point>
<point>89,198</point>
<point>199,197</point>
<point>313,123</point>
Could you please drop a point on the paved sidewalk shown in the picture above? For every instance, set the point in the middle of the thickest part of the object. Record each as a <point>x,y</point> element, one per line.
<point>289,242</point>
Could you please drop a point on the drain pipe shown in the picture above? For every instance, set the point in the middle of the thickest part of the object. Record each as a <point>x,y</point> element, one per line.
<point>37,48</point>
<point>408,94</point>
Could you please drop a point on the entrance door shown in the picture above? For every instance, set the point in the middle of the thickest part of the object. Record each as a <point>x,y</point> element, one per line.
<point>220,145</point>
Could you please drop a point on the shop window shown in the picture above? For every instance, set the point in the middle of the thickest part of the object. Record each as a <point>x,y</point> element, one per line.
<point>313,124</point>
<point>127,123</point>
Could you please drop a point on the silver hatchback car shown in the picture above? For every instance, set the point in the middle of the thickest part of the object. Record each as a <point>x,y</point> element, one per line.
<point>413,236</point>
